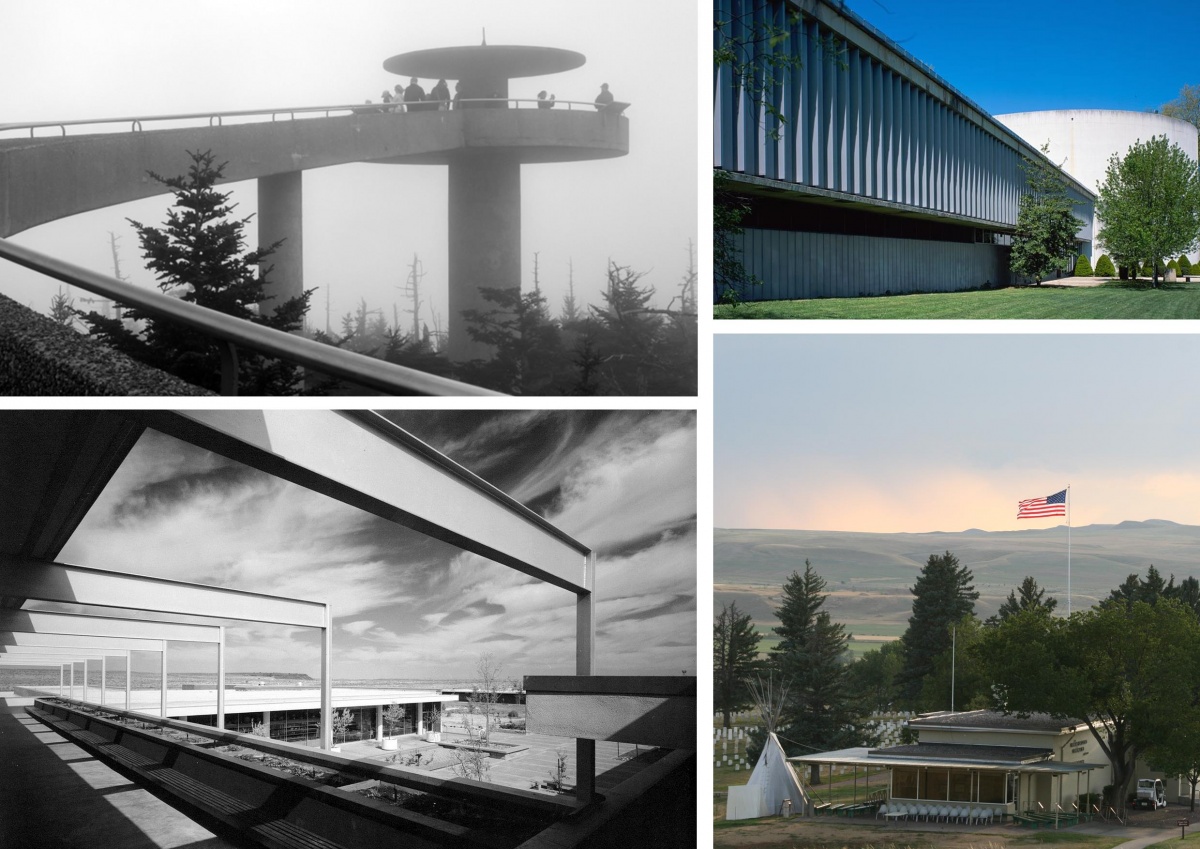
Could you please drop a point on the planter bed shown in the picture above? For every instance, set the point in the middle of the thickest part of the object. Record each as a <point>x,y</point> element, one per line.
<point>267,799</point>
<point>494,750</point>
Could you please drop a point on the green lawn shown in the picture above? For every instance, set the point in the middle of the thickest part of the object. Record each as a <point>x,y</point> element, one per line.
<point>1113,300</point>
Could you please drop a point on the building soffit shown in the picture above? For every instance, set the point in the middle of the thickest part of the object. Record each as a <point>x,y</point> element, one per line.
<point>83,625</point>
<point>340,454</point>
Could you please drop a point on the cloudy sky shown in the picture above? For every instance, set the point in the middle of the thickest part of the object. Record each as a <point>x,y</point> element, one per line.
<point>73,59</point>
<point>872,432</point>
<point>406,606</point>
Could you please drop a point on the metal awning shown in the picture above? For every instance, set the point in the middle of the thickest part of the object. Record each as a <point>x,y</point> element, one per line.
<point>860,756</point>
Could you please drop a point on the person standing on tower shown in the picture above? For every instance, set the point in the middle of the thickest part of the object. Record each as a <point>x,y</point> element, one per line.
<point>604,98</point>
<point>441,94</point>
<point>413,94</point>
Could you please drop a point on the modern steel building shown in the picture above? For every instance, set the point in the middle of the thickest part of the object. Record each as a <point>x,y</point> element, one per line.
<point>1083,141</point>
<point>869,173</point>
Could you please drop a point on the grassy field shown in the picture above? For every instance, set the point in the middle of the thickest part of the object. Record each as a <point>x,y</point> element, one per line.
<point>1115,300</point>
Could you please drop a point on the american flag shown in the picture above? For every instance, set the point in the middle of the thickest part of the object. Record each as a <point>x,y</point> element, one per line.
<point>1036,508</point>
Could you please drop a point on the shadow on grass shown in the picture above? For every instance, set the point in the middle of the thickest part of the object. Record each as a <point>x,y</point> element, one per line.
<point>1178,286</point>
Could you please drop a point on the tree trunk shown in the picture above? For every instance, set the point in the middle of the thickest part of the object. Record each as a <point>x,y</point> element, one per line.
<point>725,714</point>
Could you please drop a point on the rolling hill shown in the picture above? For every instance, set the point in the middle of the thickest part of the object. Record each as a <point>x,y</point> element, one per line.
<point>869,575</point>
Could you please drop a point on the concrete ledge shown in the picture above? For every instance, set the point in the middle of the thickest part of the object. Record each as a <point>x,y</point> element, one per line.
<point>38,356</point>
<point>655,711</point>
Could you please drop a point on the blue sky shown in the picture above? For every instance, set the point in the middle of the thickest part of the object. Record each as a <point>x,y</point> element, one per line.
<point>944,432</point>
<point>1024,55</point>
<point>407,606</point>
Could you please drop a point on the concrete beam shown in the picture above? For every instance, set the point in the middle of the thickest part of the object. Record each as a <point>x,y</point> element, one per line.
<point>27,578</point>
<point>363,460</point>
<point>45,622</point>
<point>18,639</point>
<point>48,178</point>
<point>655,711</point>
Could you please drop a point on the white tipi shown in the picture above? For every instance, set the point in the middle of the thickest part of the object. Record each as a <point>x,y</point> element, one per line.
<point>771,784</point>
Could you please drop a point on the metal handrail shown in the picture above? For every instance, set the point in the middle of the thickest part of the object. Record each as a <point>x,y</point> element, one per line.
<point>135,122</point>
<point>229,331</point>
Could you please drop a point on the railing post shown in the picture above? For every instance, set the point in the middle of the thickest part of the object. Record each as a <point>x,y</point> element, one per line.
<point>229,367</point>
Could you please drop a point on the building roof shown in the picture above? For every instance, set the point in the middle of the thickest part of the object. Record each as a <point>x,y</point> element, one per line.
<point>991,720</point>
<point>964,752</point>
<point>864,757</point>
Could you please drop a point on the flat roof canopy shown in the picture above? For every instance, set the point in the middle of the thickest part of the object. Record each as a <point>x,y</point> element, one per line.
<point>484,61</point>
<point>860,756</point>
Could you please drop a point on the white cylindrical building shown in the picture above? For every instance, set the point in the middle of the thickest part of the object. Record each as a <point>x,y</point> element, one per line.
<point>1083,140</point>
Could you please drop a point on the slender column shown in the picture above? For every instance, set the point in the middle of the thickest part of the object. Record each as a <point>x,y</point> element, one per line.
<point>266,721</point>
<point>60,680</point>
<point>379,723</point>
<point>327,681</point>
<point>103,673</point>
<point>72,679</point>
<point>420,718</point>
<point>128,680</point>
<point>221,677</point>
<point>585,664</point>
<point>485,239</point>
<point>163,683</point>
<point>84,697</point>
<point>280,216</point>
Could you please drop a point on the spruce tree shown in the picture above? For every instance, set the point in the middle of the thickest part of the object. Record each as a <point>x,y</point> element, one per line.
<point>200,257</point>
<point>811,658</point>
<point>1031,598</point>
<point>942,596</point>
<point>735,658</point>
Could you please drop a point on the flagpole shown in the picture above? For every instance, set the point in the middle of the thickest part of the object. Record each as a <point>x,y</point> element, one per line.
<point>1068,551</point>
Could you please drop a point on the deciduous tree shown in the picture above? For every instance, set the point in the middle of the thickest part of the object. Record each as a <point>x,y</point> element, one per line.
<point>1129,673</point>
<point>1150,203</point>
<point>1046,222</point>
<point>1186,107</point>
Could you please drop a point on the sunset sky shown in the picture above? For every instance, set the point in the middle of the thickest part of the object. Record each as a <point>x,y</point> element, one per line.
<point>406,606</point>
<point>857,432</point>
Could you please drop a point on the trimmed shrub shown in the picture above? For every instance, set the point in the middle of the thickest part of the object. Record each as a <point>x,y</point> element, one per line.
<point>1083,268</point>
<point>1185,265</point>
<point>1104,267</point>
<point>1147,270</point>
<point>1173,264</point>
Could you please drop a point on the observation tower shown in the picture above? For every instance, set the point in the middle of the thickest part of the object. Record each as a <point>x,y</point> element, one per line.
<point>499,133</point>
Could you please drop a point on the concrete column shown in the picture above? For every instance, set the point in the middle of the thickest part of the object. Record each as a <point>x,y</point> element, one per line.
<point>585,664</point>
<point>420,717</point>
<point>128,680</point>
<point>379,709</point>
<point>163,691</point>
<point>327,681</point>
<point>61,675</point>
<point>280,216</point>
<point>221,677</point>
<point>485,239</point>
<point>84,697</point>
<point>266,721</point>
<point>103,673</point>
<point>72,679</point>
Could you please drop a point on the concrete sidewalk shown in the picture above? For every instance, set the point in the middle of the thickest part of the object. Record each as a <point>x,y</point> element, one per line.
<point>54,794</point>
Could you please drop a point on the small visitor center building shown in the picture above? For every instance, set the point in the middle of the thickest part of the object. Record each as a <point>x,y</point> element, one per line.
<point>1005,764</point>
